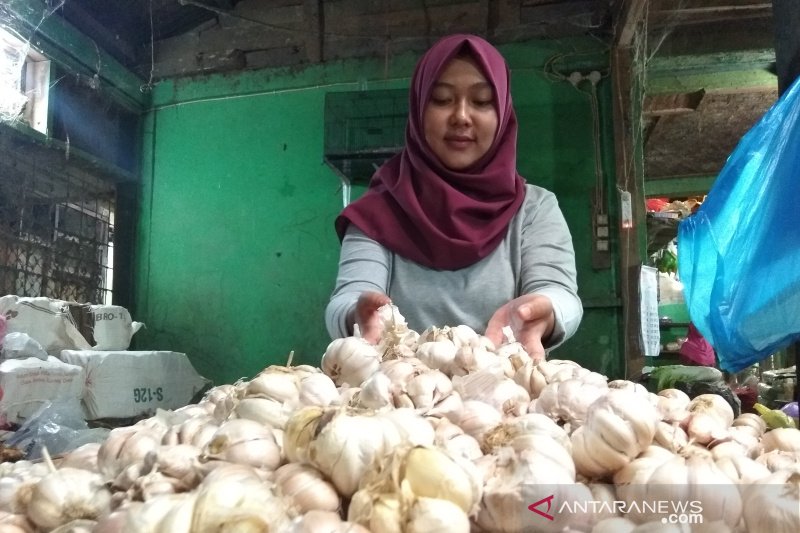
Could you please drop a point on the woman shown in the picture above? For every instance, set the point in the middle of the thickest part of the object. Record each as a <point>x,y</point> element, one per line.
<point>448,231</point>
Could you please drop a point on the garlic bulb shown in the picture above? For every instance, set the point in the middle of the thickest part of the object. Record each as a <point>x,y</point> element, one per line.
<point>262,410</point>
<point>68,494</point>
<point>438,355</point>
<point>460,335</point>
<point>15,492</point>
<point>280,386</point>
<point>197,431</point>
<point>219,394</point>
<point>489,385</point>
<point>630,386</point>
<point>753,422</point>
<point>401,370</point>
<point>300,431</point>
<point>778,460</point>
<point>477,418</point>
<point>426,471</point>
<point>245,442</point>
<point>534,377</point>
<point>323,521</point>
<point>528,424</point>
<point>672,404</point>
<point>126,446</point>
<point>180,462</point>
<point>350,360</point>
<point>317,389</point>
<point>709,418</point>
<point>306,489</point>
<point>679,480</point>
<point>670,436</point>
<point>397,340</point>
<point>344,446</point>
<point>430,514</point>
<point>452,439</point>
<point>741,469</point>
<point>423,391</point>
<point>783,439</point>
<point>511,482</point>
<point>149,516</point>
<point>568,400</point>
<point>471,358</point>
<point>376,511</point>
<point>83,457</point>
<point>772,503</point>
<point>234,505</point>
<point>376,392</point>
<point>618,427</point>
<point>396,513</point>
<point>15,523</point>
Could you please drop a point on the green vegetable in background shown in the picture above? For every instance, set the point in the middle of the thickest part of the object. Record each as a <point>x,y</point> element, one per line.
<point>775,418</point>
<point>668,375</point>
<point>668,262</point>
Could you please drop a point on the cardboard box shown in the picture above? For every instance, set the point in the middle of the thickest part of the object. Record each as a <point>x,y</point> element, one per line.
<point>125,384</point>
<point>25,384</point>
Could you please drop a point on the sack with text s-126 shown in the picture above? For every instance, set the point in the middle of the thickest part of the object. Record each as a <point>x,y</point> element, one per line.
<point>738,255</point>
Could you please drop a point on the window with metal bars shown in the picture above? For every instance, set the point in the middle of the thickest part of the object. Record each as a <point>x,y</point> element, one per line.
<point>56,224</point>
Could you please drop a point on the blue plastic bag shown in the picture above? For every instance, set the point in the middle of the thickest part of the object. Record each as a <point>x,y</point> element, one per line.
<point>739,254</point>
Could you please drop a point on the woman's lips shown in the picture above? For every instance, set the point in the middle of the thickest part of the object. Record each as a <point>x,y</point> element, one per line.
<point>458,142</point>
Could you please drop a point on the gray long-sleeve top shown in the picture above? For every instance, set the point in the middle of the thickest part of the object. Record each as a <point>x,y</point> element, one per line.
<point>536,256</point>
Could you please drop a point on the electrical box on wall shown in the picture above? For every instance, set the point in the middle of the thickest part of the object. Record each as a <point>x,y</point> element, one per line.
<point>362,130</point>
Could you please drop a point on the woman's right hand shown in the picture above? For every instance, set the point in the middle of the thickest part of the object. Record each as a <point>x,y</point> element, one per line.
<point>366,315</point>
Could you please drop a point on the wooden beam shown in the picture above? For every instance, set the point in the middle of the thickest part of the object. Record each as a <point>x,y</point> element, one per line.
<point>705,15</point>
<point>102,35</point>
<point>671,104</point>
<point>630,15</point>
<point>315,39</point>
<point>63,43</point>
<point>628,177</point>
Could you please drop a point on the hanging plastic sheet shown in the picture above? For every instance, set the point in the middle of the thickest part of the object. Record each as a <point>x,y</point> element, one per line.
<point>739,254</point>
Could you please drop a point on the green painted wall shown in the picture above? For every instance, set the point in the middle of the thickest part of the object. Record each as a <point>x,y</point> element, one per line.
<point>236,253</point>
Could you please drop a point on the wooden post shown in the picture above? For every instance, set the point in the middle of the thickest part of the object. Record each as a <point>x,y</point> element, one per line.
<point>786,14</point>
<point>629,178</point>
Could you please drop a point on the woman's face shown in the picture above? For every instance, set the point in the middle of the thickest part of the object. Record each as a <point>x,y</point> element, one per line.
<point>460,120</point>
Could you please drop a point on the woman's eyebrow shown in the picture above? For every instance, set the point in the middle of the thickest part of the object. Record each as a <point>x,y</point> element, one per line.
<point>478,85</point>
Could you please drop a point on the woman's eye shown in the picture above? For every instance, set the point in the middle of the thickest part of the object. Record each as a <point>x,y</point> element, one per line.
<point>484,103</point>
<point>440,100</point>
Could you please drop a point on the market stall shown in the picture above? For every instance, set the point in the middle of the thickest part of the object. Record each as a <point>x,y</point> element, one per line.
<point>172,177</point>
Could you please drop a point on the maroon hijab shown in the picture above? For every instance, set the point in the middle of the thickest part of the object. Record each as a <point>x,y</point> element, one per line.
<point>425,212</point>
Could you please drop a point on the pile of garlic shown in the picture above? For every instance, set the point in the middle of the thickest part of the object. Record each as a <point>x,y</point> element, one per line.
<point>438,431</point>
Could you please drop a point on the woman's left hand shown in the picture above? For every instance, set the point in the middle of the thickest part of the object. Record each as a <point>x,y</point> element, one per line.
<point>532,321</point>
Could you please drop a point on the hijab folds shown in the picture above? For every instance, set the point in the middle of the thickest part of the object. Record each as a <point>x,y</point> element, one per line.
<point>416,207</point>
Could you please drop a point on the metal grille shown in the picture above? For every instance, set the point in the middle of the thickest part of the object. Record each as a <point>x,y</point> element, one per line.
<point>56,225</point>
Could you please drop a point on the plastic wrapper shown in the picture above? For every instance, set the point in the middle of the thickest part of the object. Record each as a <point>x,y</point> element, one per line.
<point>738,254</point>
<point>59,427</point>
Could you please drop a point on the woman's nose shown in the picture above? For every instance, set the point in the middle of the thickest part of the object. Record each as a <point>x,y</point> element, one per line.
<point>461,112</point>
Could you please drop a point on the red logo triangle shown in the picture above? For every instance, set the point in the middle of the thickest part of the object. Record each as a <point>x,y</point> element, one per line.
<point>549,501</point>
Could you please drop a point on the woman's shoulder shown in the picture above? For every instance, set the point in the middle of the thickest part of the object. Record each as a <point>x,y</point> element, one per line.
<point>536,195</point>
